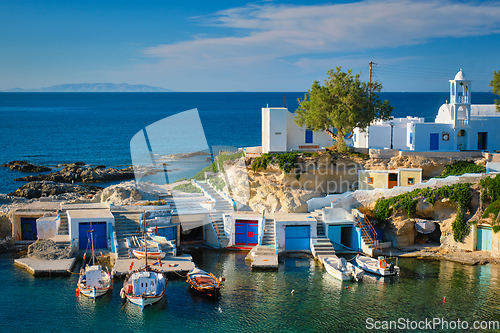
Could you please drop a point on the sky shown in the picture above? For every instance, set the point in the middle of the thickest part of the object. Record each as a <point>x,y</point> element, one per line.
<point>206,46</point>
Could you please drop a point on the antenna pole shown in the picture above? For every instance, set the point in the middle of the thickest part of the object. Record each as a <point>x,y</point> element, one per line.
<point>371,63</point>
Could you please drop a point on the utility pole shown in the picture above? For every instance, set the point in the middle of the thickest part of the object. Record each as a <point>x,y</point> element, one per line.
<point>370,80</point>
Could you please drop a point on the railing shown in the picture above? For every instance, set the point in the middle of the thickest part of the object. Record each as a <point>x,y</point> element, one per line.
<point>462,123</point>
<point>365,230</point>
<point>463,99</point>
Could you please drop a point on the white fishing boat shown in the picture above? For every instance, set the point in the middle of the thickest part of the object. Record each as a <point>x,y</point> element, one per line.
<point>146,285</point>
<point>94,281</point>
<point>153,253</point>
<point>377,266</point>
<point>341,269</point>
<point>425,226</point>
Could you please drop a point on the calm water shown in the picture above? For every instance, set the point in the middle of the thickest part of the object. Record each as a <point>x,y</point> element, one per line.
<point>96,128</point>
<point>257,301</point>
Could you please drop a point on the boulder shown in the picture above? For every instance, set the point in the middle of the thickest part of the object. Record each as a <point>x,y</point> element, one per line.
<point>79,173</point>
<point>24,166</point>
<point>38,189</point>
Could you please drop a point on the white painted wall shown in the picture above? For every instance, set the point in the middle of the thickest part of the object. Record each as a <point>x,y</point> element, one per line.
<point>75,218</point>
<point>422,136</point>
<point>280,230</point>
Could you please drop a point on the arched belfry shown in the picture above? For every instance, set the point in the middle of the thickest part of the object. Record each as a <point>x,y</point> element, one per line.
<point>460,99</point>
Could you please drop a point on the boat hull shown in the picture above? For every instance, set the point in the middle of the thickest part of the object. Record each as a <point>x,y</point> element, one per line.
<point>372,266</point>
<point>204,282</point>
<point>144,288</point>
<point>94,282</point>
<point>351,272</point>
<point>151,255</point>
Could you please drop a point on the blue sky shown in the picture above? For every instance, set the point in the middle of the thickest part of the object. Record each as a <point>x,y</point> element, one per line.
<point>247,46</point>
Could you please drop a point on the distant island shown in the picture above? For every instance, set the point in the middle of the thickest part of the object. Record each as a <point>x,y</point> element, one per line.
<point>94,87</point>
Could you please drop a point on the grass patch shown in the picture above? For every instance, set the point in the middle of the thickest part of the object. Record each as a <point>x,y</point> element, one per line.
<point>188,188</point>
<point>286,161</point>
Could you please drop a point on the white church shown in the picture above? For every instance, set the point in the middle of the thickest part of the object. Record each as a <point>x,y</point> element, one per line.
<point>459,125</point>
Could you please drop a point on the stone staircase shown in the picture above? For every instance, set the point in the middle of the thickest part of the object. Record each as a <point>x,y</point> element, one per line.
<point>216,215</point>
<point>269,237</point>
<point>368,244</point>
<point>63,226</point>
<point>126,225</point>
<point>321,246</point>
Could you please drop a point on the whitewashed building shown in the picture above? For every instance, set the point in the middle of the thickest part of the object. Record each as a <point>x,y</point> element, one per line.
<point>280,133</point>
<point>459,125</point>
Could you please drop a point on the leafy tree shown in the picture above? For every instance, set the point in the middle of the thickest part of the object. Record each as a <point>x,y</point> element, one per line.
<point>495,85</point>
<point>342,103</point>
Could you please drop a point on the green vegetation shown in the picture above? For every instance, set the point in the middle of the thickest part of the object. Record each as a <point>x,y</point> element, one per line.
<point>188,188</point>
<point>342,103</point>
<point>310,154</point>
<point>459,194</point>
<point>458,168</point>
<point>491,191</point>
<point>286,161</point>
<point>226,156</point>
<point>495,87</point>
<point>159,202</point>
<point>359,155</point>
<point>218,183</point>
<point>201,175</point>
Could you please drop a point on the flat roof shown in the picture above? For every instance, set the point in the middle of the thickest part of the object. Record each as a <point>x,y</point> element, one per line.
<point>41,206</point>
<point>90,214</point>
<point>90,205</point>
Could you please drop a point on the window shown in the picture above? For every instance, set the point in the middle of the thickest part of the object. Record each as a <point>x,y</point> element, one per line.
<point>369,180</point>
<point>411,181</point>
<point>411,137</point>
<point>309,136</point>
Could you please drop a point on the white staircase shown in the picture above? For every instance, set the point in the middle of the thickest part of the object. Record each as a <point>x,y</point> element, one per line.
<point>321,246</point>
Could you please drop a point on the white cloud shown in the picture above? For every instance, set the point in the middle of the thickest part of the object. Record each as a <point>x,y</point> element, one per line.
<point>274,40</point>
<point>284,30</point>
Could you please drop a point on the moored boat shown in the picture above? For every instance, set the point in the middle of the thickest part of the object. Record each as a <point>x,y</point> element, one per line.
<point>204,282</point>
<point>94,281</point>
<point>153,253</point>
<point>341,269</point>
<point>146,285</point>
<point>377,266</point>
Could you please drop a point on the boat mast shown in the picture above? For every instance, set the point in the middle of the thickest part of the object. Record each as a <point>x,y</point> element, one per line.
<point>145,241</point>
<point>92,241</point>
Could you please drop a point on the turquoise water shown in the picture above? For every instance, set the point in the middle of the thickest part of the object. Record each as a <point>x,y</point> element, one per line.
<point>257,301</point>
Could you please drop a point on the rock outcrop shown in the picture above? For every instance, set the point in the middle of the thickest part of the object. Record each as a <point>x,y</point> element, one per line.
<point>78,172</point>
<point>46,249</point>
<point>24,166</point>
<point>38,189</point>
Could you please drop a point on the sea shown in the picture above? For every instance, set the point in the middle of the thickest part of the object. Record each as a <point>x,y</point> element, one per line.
<point>96,128</point>
<point>428,296</point>
<point>52,129</point>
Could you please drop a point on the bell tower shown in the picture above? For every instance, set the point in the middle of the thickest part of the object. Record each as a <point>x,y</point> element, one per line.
<point>460,96</point>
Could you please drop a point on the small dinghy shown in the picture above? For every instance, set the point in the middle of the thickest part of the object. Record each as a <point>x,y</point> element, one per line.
<point>341,269</point>
<point>204,282</point>
<point>377,266</point>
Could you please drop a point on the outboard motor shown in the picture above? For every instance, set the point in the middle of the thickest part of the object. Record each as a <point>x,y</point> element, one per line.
<point>391,267</point>
<point>343,264</point>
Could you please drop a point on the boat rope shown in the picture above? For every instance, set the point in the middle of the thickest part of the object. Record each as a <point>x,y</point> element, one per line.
<point>72,272</point>
<point>182,276</point>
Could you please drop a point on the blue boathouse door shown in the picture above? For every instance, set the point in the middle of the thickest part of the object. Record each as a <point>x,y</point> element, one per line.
<point>297,237</point>
<point>246,232</point>
<point>483,238</point>
<point>28,228</point>
<point>100,240</point>
<point>434,141</point>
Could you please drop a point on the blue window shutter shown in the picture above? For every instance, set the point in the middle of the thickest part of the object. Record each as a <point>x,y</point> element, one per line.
<point>411,137</point>
<point>309,136</point>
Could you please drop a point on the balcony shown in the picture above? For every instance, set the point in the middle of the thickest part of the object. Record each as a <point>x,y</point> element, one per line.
<point>463,99</point>
<point>462,123</point>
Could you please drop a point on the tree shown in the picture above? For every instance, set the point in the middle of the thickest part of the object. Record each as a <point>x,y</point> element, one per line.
<point>342,103</point>
<point>495,85</point>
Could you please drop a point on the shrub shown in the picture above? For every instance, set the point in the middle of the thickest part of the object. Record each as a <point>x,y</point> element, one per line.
<point>458,168</point>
